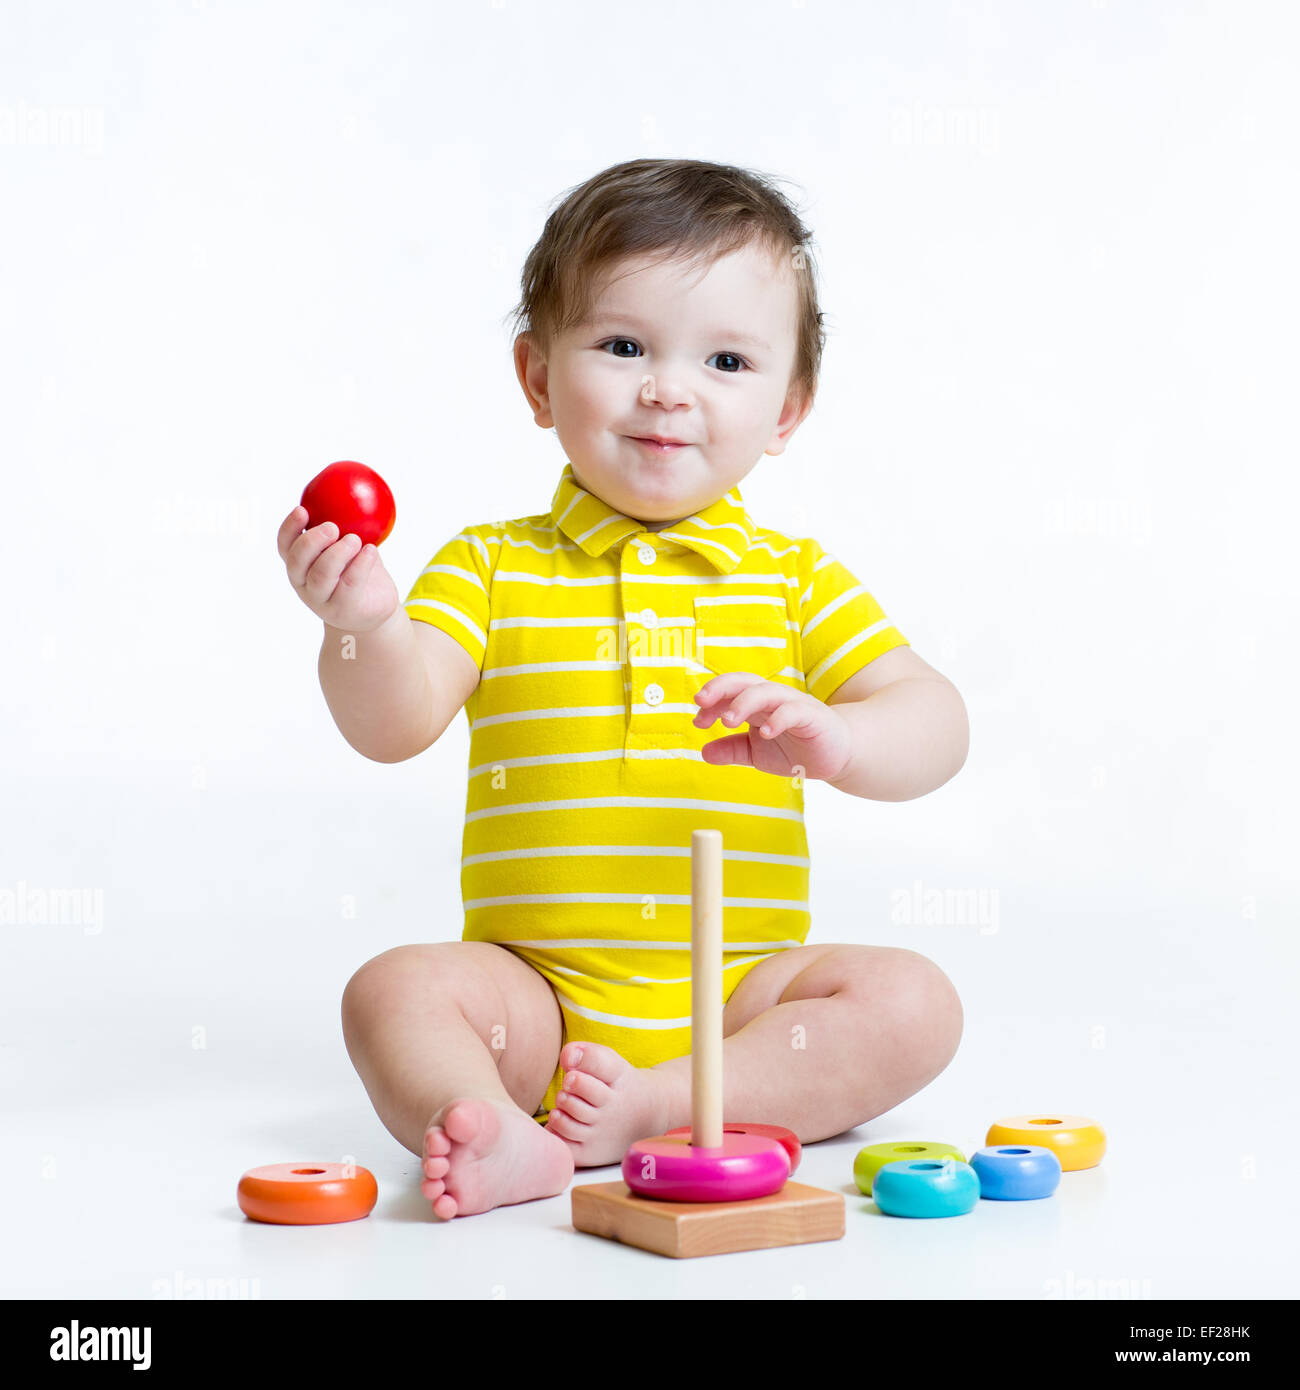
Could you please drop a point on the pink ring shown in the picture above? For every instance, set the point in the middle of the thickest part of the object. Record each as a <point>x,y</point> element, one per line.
<point>788,1140</point>
<point>672,1169</point>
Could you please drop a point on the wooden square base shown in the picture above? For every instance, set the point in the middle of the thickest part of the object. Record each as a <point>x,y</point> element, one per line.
<point>797,1215</point>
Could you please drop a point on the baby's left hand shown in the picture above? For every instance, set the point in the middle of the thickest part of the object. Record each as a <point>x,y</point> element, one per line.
<point>789,729</point>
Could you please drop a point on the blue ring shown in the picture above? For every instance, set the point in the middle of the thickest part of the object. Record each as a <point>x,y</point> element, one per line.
<point>1016,1172</point>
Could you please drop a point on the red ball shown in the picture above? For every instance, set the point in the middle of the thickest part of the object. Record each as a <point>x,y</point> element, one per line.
<point>355,498</point>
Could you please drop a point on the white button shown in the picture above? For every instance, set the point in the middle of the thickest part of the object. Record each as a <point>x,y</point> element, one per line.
<point>654,694</point>
<point>649,617</point>
<point>646,554</point>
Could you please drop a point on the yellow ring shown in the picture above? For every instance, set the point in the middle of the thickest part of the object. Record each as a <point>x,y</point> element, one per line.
<point>1078,1142</point>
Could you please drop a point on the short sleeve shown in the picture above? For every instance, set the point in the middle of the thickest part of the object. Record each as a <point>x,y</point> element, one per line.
<point>842,627</point>
<point>452,591</point>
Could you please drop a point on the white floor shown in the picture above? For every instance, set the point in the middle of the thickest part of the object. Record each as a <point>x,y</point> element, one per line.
<point>145,1065</point>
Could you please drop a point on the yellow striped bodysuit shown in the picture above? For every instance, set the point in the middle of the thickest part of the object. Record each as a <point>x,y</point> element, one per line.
<point>585,776</point>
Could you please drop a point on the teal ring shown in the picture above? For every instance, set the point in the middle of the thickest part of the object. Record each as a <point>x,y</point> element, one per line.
<point>926,1188</point>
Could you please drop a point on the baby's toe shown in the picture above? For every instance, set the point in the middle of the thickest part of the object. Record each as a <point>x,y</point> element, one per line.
<point>464,1121</point>
<point>436,1167</point>
<point>562,1123</point>
<point>445,1207</point>
<point>601,1062</point>
<point>436,1142</point>
<point>585,1087</point>
<point>577,1108</point>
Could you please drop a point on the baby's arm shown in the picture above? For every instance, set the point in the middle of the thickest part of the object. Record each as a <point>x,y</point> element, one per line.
<point>909,726</point>
<point>393,691</point>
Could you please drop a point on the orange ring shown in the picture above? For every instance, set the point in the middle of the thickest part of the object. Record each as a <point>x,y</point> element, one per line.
<point>307,1194</point>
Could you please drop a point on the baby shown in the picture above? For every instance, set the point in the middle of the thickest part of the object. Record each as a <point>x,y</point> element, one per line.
<point>670,334</point>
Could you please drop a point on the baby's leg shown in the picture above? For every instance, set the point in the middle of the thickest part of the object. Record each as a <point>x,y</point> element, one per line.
<point>456,1043</point>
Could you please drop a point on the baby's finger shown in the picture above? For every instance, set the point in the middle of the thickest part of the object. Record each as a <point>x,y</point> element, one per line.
<point>290,530</point>
<point>754,700</point>
<point>776,721</point>
<point>323,576</point>
<point>304,548</point>
<point>303,552</point>
<point>715,692</point>
<point>356,571</point>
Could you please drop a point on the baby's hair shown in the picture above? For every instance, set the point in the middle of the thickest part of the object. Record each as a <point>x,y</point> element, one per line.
<point>686,209</point>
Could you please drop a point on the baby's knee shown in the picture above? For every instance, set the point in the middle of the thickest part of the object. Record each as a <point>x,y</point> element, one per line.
<point>423,972</point>
<point>929,999</point>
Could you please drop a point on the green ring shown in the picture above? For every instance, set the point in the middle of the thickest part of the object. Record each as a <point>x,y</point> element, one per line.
<point>874,1157</point>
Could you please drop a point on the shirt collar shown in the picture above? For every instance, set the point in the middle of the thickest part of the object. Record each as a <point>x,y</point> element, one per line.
<point>722,532</point>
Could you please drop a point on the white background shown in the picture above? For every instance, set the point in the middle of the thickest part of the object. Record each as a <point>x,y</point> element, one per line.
<point>1055,437</point>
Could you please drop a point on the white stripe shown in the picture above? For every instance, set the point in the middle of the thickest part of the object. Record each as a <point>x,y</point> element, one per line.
<point>477,543</point>
<point>598,756</point>
<point>731,642</point>
<point>665,709</point>
<point>792,548</point>
<point>468,575</point>
<point>583,942</point>
<point>571,581</point>
<point>577,497</point>
<point>812,583</point>
<point>548,526</point>
<point>537,620</point>
<point>850,645</point>
<point>470,627</point>
<point>745,598</point>
<point>593,581</point>
<point>542,623</point>
<point>654,803</point>
<point>601,525</point>
<point>619,1020</point>
<point>635,899</point>
<point>649,979</point>
<point>704,540</point>
<point>832,607</point>
<point>523,543</point>
<point>537,668</point>
<point>632,851</point>
<point>698,520</point>
<point>578,712</point>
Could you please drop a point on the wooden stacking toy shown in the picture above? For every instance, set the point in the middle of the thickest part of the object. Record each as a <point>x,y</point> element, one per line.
<point>307,1194</point>
<point>716,1188</point>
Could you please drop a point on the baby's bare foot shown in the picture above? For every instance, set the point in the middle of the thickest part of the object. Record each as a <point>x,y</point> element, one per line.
<point>607,1103</point>
<point>480,1154</point>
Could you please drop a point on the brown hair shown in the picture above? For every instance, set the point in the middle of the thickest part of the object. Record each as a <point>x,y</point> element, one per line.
<point>686,208</point>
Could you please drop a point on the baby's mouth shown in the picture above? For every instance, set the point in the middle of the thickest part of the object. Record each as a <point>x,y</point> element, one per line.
<point>656,446</point>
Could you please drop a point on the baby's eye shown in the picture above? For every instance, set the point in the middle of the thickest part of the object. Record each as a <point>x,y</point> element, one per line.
<point>741,364</point>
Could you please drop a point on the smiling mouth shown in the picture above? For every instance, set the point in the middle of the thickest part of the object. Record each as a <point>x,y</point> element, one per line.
<point>659,446</point>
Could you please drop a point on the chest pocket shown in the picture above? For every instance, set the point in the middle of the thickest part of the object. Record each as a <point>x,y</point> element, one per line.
<point>742,632</point>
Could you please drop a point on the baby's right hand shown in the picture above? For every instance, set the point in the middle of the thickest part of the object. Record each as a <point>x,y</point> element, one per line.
<point>343,582</point>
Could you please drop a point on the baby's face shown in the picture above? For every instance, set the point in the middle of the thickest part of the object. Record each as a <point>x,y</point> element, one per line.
<point>701,357</point>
